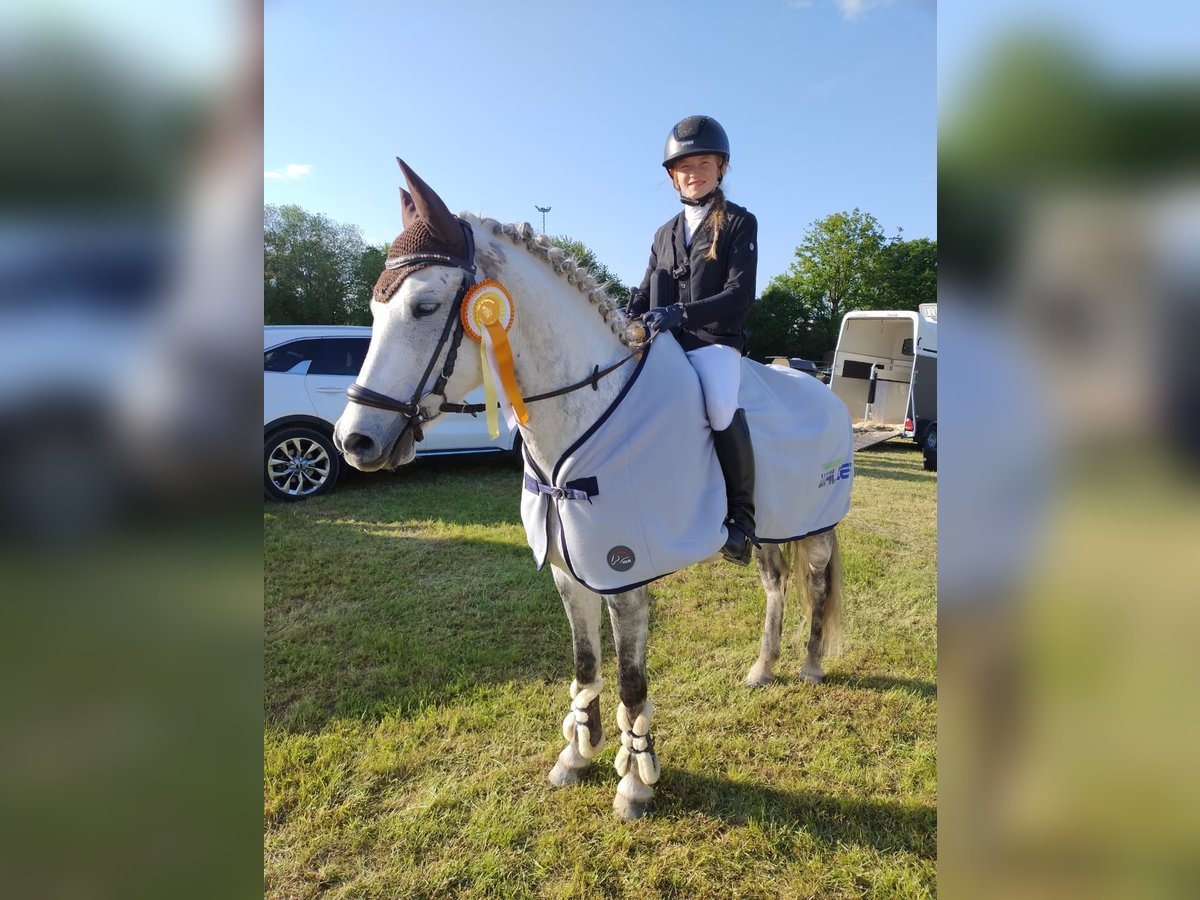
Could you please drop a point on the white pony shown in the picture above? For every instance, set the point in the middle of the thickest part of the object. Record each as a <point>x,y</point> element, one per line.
<point>567,328</point>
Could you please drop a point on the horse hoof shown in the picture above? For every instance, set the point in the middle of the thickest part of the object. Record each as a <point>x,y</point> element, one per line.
<point>812,676</point>
<point>561,776</point>
<point>759,678</point>
<point>629,810</point>
<point>633,798</point>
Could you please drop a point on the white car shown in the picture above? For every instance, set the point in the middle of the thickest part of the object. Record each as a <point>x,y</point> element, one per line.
<point>306,371</point>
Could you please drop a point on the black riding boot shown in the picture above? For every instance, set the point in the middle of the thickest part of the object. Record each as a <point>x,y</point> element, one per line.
<point>736,456</point>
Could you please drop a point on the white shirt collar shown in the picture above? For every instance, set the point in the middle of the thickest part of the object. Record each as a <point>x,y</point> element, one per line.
<point>692,217</point>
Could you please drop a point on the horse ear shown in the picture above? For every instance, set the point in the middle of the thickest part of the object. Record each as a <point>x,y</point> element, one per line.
<point>430,207</point>
<point>408,209</point>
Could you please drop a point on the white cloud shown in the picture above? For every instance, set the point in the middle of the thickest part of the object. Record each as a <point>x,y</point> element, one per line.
<point>856,9</point>
<point>291,171</point>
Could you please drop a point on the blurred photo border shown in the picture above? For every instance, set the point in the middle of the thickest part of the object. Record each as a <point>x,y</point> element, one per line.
<point>130,305</point>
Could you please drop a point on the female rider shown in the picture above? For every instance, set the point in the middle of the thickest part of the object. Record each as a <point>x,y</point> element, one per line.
<point>699,285</point>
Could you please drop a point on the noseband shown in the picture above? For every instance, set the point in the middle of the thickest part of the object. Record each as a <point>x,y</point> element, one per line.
<point>452,332</point>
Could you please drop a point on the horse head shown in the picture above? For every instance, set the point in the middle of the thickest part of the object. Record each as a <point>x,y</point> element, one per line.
<point>412,364</point>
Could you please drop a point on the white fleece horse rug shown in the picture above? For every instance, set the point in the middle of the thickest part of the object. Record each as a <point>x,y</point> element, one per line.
<point>621,526</point>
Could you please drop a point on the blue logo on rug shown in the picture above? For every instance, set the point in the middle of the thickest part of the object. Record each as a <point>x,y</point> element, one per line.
<point>833,472</point>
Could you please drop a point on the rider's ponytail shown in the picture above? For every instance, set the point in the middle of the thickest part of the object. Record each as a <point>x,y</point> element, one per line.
<point>715,221</point>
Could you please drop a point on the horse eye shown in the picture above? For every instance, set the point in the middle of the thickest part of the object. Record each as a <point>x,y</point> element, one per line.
<point>425,307</point>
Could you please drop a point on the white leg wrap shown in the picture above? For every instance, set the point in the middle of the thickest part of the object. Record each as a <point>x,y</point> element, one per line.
<point>635,744</point>
<point>623,718</point>
<point>621,763</point>
<point>583,740</point>
<point>583,695</point>
<point>569,727</point>
<point>641,725</point>
<point>648,769</point>
<point>575,725</point>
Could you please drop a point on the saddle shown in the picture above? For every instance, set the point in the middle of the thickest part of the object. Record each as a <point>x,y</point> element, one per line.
<point>620,529</point>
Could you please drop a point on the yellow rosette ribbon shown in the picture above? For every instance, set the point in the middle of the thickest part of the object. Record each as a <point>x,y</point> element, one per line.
<point>488,312</point>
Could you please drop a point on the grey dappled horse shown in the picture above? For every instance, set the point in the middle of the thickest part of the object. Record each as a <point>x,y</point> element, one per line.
<point>567,326</point>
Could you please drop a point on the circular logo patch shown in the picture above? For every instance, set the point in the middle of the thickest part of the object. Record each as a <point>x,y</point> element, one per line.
<point>620,558</point>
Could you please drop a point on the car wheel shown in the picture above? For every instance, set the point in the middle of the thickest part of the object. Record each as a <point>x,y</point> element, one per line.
<point>931,449</point>
<point>299,463</point>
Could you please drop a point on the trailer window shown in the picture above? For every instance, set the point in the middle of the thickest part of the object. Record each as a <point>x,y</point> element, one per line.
<point>853,368</point>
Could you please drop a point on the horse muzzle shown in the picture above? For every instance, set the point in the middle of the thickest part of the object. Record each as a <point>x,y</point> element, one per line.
<point>369,454</point>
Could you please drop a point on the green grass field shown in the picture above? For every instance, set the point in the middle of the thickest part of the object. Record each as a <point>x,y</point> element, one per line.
<point>417,665</point>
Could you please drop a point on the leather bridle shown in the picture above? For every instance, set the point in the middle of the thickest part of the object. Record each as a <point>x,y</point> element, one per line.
<point>453,332</point>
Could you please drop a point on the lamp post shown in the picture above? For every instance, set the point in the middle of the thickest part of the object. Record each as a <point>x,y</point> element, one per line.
<point>543,210</point>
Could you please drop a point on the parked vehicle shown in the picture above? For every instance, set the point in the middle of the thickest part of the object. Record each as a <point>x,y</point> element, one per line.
<point>795,362</point>
<point>306,370</point>
<point>885,368</point>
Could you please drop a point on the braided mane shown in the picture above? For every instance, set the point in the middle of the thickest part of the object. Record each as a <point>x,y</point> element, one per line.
<point>566,268</point>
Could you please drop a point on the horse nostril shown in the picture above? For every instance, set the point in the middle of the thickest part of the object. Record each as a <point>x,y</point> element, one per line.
<point>358,444</point>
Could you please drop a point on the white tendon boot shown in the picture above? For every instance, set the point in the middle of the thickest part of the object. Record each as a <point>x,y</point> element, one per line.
<point>636,763</point>
<point>575,758</point>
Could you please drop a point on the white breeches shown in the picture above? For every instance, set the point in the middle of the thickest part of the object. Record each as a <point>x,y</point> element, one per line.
<point>720,371</point>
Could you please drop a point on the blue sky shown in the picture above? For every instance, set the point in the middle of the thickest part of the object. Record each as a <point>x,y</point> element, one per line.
<point>501,106</point>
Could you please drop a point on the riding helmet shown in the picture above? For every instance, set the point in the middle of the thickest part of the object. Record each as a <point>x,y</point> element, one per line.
<point>695,135</point>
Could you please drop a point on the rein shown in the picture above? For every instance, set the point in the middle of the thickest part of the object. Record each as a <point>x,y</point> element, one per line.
<point>453,331</point>
<point>593,380</point>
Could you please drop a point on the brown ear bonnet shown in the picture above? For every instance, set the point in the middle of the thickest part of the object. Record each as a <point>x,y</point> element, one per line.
<point>429,227</point>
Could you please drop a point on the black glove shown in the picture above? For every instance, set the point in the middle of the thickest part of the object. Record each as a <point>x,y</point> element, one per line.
<point>664,318</point>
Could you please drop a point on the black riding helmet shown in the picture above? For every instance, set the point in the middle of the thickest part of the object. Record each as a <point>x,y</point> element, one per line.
<point>693,136</point>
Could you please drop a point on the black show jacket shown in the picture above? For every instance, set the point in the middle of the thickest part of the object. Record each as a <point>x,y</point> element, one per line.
<point>716,293</point>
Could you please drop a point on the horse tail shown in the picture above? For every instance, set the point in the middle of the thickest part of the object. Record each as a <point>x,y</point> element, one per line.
<point>831,609</point>
<point>796,559</point>
<point>831,613</point>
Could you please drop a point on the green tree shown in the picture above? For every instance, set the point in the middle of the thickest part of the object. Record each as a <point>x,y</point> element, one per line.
<point>312,269</point>
<point>586,257</point>
<point>907,274</point>
<point>837,265</point>
<point>775,324</point>
<point>835,270</point>
<point>366,273</point>
<point>844,262</point>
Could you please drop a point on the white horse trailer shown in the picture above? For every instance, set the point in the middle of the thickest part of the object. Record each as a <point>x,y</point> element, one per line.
<point>885,369</point>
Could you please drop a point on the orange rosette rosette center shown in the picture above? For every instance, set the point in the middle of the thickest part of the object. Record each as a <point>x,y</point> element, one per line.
<point>488,303</point>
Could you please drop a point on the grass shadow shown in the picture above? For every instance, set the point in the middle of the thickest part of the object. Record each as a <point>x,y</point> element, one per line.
<point>893,445</point>
<point>883,468</point>
<point>833,820</point>
<point>883,683</point>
